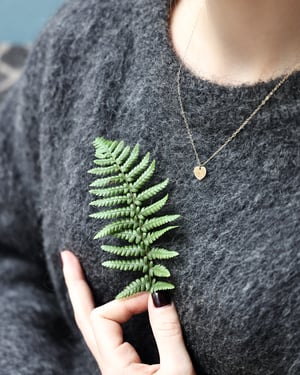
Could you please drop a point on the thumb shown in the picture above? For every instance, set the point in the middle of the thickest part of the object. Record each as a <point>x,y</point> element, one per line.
<point>174,358</point>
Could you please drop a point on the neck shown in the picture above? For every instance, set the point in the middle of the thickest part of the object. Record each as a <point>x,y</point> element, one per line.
<point>238,40</point>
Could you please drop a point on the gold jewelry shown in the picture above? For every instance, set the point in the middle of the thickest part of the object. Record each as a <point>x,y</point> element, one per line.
<point>200,170</point>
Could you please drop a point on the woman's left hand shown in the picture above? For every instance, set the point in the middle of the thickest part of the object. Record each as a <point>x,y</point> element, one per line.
<point>102,331</point>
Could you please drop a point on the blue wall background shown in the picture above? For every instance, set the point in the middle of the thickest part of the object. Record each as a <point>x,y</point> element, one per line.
<point>21,20</point>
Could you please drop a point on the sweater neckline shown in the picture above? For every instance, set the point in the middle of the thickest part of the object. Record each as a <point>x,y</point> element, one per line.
<point>188,76</point>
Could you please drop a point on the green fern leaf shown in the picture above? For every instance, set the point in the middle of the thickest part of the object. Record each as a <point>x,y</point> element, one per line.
<point>113,201</point>
<point>158,222</point>
<point>124,155</point>
<point>102,146</point>
<point>101,143</point>
<point>153,208</point>
<point>129,235</point>
<point>127,265</point>
<point>101,182</point>
<point>121,175</point>
<point>132,159</point>
<point>103,162</point>
<point>111,145</point>
<point>118,150</point>
<point>160,271</point>
<point>115,228</point>
<point>162,285</point>
<point>109,192</point>
<point>103,171</point>
<point>112,214</point>
<point>137,170</point>
<point>153,236</point>
<point>126,251</point>
<point>144,177</point>
<point>139,285</point>
<point>158,253</point>
<point>101,155</point>
<point>153,190</point>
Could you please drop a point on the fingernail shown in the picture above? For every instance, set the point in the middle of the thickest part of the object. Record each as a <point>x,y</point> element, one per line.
<point>161,298</point>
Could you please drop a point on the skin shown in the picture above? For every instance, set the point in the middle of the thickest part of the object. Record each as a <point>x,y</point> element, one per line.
<point>102,331</point>
<point>237,41</point>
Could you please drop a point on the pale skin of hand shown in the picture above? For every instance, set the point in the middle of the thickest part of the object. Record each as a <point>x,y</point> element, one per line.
<point>102,331</point>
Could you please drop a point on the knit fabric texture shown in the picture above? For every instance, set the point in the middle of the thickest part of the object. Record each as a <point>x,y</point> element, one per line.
<point>107,68</point>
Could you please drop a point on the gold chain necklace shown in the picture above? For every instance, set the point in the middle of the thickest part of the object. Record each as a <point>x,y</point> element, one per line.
<point>200,169</point>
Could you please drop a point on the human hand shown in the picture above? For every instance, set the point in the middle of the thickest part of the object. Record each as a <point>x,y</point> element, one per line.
<point>102,331</point>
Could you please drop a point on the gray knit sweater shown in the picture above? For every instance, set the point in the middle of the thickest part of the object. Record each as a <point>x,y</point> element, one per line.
<point>108,68</point>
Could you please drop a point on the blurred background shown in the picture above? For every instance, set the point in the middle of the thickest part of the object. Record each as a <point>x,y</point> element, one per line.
<point>20,23</point>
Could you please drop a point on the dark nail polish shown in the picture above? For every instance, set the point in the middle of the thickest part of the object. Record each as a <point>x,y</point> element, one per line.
<point>161,298</point>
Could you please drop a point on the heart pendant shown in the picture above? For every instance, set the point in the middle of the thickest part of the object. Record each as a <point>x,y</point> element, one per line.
<point>200,172</point>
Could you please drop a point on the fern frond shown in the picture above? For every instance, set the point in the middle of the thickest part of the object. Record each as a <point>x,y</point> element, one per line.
<point>108,192</point>
<point>153,236</point>
<point>101,182</point>
<point>138,169</point>
<point>103,145</point>
<point>151,191</point>
<point>117,151</point>
<point>103,171</point>
<point>126,251</point>
<point>127,265</point>
<point>139,285</point>
<point>132,159</point>
<point>103,162</point>
<point>104,148</point>
<point>121,175</point>
<point>99,143</point>
<point>111,145</point>
<point>102,155</point>
<point>160,271</point>
<point>158,253</point>
<point>115,228</point>
<point>124,155</point>
<point>112,214</point>
<point>162,285</point>
<point>144,177</point>
<point>154,207</point>
<point>158,222</point>
<point>112,201</point>
<point>129,235</point>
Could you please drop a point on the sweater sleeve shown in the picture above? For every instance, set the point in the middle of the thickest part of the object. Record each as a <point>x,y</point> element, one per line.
<point>33,335</point>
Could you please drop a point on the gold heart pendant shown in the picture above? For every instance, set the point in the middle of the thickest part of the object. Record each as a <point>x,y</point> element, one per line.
<point>200,172</point>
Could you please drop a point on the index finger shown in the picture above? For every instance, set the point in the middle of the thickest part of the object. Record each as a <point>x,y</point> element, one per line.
<point>80,296</point>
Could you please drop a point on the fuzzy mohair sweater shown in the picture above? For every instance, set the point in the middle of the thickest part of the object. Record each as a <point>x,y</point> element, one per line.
<point>107,68</point>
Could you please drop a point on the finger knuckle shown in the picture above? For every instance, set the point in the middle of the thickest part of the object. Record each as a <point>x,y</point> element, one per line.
<point>169,329</point>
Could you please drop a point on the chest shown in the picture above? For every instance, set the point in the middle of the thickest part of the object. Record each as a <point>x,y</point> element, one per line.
<point>238,235</point>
